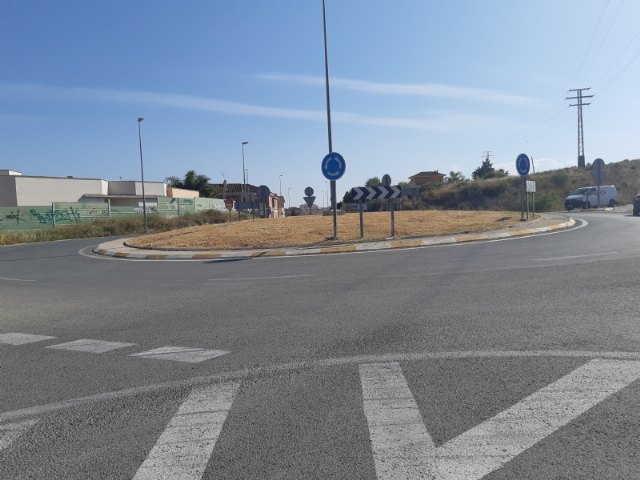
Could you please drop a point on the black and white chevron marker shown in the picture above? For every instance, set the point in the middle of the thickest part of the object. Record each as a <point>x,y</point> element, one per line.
<point>378,192</point>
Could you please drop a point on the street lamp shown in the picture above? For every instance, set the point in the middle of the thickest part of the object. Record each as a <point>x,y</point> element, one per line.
<point>244,178</point>
<point>280,184</point>
<point>326,81</point>
<point>144,200</point>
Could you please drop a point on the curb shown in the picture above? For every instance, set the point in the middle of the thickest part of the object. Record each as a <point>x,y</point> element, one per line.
<point>120,248</point>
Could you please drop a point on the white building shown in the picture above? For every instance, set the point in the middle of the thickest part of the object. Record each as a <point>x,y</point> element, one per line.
<point>17,190</point>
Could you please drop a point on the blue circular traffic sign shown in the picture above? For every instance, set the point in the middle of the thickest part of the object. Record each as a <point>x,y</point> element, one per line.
<point>333,166</point>
<point>523,164</point>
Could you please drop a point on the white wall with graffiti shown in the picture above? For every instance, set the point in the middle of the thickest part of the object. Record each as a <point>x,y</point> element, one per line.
<point>68,213</point>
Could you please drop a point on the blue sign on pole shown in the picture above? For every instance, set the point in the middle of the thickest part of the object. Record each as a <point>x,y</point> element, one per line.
<point>523,164</point>
<point>333,166</point>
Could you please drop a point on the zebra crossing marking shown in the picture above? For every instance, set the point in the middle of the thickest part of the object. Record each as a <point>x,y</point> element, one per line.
<point>22,338</point>
<point>184,447</point>
<point>91,346</point>
<point>402,447</point>
<point>391,414</point>
<point>180,354</point>
<point>176,354</point>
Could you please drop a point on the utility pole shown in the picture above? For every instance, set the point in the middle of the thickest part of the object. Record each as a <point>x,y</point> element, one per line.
<point>580,97</point>
<point>487,154</point>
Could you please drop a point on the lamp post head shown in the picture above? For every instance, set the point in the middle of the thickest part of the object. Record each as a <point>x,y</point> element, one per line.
<point>140,119</point>
<point>244,143</point>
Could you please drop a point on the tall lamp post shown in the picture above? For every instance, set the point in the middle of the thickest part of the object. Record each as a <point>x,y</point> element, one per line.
<point>244,173</point>
<point>326,78</point>
<point>144,199</point>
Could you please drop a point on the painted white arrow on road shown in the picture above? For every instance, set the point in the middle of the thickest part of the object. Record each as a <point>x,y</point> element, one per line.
<point>403,449</point>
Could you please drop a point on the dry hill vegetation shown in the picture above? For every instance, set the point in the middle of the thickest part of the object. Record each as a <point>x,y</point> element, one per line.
<point>314,230</point>
<point>552,187</point>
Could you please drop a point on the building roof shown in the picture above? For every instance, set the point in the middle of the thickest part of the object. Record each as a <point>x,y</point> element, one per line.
<point>424,174</point>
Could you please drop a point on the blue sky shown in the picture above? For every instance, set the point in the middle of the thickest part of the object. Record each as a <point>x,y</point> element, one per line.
<point>415,85</point>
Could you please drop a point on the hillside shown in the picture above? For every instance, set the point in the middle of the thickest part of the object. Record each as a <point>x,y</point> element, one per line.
<point>552,187</point>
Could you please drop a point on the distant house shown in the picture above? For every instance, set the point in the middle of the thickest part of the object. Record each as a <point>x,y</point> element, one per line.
<point>423,178</point>
<point>273,204</point>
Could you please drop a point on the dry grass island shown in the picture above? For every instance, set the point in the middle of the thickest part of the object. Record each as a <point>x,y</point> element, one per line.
<point>307,231</point>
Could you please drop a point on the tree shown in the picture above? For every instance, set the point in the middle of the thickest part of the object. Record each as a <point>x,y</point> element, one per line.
<point>455,177</point>
<point>372,182</point>
<point>348,197</point>
<point>192,181</point>
<point>485,170</point>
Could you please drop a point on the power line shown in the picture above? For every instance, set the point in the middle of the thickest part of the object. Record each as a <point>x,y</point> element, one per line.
<point>593,36</point>
<point>618,58</point>
<point>604,39</point>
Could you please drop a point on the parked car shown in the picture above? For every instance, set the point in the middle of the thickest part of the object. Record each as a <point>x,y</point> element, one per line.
<point>636,205</point>
<point>587,197</point>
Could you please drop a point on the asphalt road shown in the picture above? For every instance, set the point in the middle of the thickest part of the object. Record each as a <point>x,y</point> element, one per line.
<point>507,359</point>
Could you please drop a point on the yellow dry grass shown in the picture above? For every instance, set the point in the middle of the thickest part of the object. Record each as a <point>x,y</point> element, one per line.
<point>317,230</point>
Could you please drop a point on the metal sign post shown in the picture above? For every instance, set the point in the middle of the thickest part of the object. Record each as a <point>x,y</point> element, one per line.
<point>333,167</point>
<point>228,203</point>
<point>360,209</point>
<point>310,198</point>
<point>379,192</point>
<point>596,173</point>
<point>386,182</point>
<point>531,189</point>
<point>522,166</point>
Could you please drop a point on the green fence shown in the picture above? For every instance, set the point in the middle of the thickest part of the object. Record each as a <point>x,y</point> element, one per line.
<point>65,213</point>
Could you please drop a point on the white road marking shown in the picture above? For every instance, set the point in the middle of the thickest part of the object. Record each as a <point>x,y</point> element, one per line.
<point>181,354</point>
<point>10,431</point>
<point>22,338</point>
<point>488,446</point>
<point>184,448</point>
<point>232,279</point>
<point>402,447</point>
<point>6,279</point>
<point>91,346</point>
<point>572,257</point>
<point>242,374</point>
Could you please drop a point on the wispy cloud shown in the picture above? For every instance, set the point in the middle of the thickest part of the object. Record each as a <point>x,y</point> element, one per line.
<point>433,90</point>
<point>440,123</point>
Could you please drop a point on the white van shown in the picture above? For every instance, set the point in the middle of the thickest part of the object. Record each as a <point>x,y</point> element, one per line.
<point>587,197</point>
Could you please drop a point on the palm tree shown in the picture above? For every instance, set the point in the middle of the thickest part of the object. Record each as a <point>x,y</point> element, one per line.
<point>455,177</point>
<point>192,181</point>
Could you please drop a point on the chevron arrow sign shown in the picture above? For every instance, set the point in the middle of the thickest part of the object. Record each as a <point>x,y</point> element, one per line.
<point>378,192</point>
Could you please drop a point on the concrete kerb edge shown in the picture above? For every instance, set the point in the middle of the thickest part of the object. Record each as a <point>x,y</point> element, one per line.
<point>120,248</point>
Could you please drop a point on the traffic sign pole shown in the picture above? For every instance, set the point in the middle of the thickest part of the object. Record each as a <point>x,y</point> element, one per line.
<point>596,173</point>
<point>522,166</point>
<point>386,182</point>
<point>333,167</point>
<point>360,209</point>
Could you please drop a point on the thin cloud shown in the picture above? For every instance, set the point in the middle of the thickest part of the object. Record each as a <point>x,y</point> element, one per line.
<point>432,90</point>
<point>441,123</point>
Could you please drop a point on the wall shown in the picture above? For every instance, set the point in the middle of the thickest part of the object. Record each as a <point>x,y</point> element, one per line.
<point>69,213</point>
<point>7,191</point>
<point>44,190</point>
<point>133,187</point>
<point>32,218</point>
<point>181,192</point>
<point>152,188</point>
